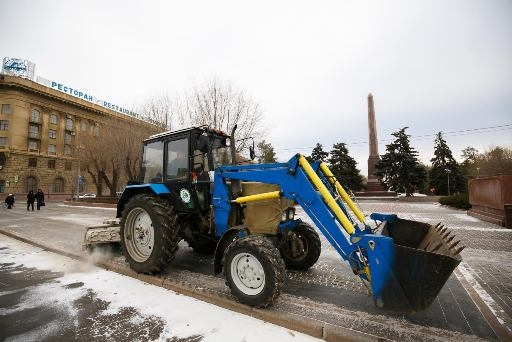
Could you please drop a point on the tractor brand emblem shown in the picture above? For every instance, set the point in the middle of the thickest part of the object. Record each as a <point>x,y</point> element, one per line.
<point>185,196</point>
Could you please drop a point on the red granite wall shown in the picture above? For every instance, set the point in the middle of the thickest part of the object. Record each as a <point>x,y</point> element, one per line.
<point>491,199</point>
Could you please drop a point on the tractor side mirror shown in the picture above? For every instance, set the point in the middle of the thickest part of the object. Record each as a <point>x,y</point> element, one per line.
<point>252,154</point>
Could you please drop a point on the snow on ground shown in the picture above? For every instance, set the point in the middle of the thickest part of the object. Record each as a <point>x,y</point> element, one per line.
<point>87,207</point>
<point>467,273</point>
<point>183,316</point>
<point>86,220</point>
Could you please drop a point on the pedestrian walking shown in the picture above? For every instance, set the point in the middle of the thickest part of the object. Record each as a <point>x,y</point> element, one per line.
<point>39,199</point>
<point>9,201</point>
<point>31,198</point>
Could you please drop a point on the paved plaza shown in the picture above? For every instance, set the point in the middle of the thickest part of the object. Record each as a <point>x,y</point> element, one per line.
<point>474,304</point>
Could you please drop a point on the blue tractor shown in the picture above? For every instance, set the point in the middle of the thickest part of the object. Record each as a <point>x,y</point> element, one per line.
<point>191,188</point>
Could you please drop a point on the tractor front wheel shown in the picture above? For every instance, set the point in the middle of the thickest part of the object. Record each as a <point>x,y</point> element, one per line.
<point>254,271</point>
<point>149,233</point>
<point>300,247</point>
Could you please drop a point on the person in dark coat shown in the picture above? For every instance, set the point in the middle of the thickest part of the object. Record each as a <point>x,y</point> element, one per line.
<point>31,198</point>
<point>39,198</point>
<point>9,201</point>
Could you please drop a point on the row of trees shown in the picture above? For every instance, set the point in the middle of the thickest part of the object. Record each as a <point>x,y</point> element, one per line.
<point>112,157</point>
<point>400,169</point>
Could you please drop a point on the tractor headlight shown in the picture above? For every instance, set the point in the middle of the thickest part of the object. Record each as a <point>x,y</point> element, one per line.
<point>283,217</point>
<point>288,214</point>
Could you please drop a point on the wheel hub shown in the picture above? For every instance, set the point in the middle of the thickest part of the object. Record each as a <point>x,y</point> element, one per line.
<point>140,227</point>
<point>250,273</point>
<point>296,247</point>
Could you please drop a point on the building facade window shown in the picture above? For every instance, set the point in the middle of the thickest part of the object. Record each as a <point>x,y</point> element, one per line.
<point>6,108</point>
<point>2,186</point>
<point>33,145</point>
<point>54,119</point>
<point>83,126</point>
<point>33,132</point>
<point>32,162</point>
<point>68,138</point>
<point>96,131</point>
<point>67,165</point>
<point>51,149</point>
<point>3,142</point>
<point>58,185</point>
<point>52,133</point>
<point>31,184</point>
<point>67,150</point>
<point>51,164</point>
<point>35,116</point>
<point>4,125</point>
<point>70,124</point>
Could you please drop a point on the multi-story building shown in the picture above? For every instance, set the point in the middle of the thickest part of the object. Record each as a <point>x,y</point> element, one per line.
<point>40,133</point>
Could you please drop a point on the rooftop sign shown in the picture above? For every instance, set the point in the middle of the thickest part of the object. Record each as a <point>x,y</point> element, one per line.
<point>18,67</point>
<point>26,69</point>
<point>85,96</point>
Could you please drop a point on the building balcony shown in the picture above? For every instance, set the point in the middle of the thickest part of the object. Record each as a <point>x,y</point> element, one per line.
<point>36,121</point>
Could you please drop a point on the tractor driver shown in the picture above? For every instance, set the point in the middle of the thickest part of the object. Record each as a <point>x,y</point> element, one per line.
<point>177,168</point>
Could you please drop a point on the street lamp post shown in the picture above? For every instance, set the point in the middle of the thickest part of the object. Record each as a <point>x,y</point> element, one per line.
<point>448,171</point>
<point>78,176</point>
<point>78,149</point>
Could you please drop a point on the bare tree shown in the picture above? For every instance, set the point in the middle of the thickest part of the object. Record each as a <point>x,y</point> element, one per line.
<point>112,154</point>
<point>165,112</point>
<point>216,104</point>
<point>219,105</point>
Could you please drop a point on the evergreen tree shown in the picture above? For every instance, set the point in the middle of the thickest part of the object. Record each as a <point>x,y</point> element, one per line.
<point>399,168</point>
<point>267,153</point>
<point>344,167</point>
<point>318,153</point>
<point>445,169</point>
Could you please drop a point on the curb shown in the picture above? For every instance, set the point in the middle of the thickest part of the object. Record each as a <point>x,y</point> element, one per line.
<point>305,325</point>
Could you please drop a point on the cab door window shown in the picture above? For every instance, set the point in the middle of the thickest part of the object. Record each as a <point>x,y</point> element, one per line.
<point>177,159</point>
<point>152,163</point>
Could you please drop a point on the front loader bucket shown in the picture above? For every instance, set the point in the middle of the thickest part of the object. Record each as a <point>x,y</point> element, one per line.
<point>409,268</point>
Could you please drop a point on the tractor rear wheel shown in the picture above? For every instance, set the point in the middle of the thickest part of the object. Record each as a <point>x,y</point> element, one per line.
<point>254,271</point>
<point>300,247</point>
<point>149,233</point>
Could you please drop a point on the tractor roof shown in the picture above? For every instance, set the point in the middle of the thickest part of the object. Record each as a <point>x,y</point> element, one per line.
<point>194,128</point>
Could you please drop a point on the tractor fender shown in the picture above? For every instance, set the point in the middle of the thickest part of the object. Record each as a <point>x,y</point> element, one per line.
<point>157,189</point>
<point>227,239</point>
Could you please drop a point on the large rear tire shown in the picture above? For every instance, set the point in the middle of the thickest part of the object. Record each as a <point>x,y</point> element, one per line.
<point>149,233</point>
<point>300,247</point>
<point>254,271</point>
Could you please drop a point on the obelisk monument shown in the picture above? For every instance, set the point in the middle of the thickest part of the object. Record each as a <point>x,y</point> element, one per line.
<point>372,183</point>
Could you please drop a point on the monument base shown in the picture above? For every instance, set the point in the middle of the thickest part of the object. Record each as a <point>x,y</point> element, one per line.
<point>375,189</point>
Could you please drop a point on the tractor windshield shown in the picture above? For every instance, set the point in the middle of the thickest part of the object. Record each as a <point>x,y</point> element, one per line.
<point>212,151</point>
<point>221,153</point>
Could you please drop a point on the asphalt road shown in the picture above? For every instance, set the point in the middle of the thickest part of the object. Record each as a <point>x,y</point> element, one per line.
<point>329,291</point>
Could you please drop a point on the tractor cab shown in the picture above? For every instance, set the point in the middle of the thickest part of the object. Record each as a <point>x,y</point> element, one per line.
<point>179,165</point>
<point>184,156</point>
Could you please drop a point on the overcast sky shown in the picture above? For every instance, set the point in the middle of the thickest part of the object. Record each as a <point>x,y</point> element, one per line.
<point>431,65</point>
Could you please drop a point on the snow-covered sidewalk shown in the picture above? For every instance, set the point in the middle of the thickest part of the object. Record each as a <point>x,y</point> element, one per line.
<point>175,317</point>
